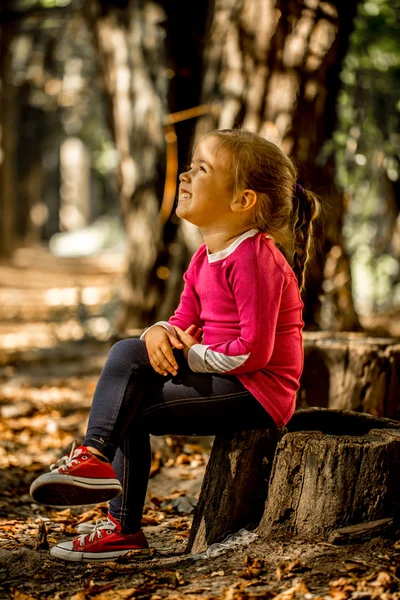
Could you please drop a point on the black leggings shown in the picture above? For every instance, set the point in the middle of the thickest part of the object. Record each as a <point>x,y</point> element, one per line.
<point>132,401</point>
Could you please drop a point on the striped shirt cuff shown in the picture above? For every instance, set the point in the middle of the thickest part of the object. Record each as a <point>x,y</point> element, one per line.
<point>203,360</point>
<point>196,358</point>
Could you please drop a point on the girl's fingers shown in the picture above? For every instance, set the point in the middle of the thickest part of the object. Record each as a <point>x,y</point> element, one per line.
<point>156,368</point>
<point>187,339</point>
<point>190,329</point>
<point>165,360</point>
<point>197,333</point>
<point>169,356</point>
<point>178,331</point>
<point>174,341</point>
<point>182,335</point>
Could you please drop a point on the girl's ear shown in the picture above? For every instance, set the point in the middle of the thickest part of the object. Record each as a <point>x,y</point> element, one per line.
<point>244,201</point>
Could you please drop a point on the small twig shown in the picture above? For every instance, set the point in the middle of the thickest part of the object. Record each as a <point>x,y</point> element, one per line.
<point>190,113</point>
<point>42,543</point>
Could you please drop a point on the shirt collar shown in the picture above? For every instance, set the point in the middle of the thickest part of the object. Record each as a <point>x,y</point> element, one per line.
<point>232,247</point>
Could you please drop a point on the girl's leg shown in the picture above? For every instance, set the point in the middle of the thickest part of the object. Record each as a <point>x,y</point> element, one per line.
<point>131,401</point>
<point>188,404</point>
<point>132,465</point>
<point>118,395</point>
<point>86,478</point>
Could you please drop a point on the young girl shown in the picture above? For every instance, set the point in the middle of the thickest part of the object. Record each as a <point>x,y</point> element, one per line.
<point>229,359</point>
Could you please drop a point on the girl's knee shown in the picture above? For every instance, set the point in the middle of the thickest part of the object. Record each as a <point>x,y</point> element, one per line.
<point>131,349</point>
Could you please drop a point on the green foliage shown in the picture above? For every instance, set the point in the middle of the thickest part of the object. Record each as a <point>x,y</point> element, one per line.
<point>67,79</point>
<point>367,148</point>
<point>366,144</point>
<point>54,3</point>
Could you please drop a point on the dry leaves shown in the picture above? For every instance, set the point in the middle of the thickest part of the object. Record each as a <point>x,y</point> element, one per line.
<point>300,589</point>
<point>254,567</point>
<point>377,585</point>
<point>286,568</point>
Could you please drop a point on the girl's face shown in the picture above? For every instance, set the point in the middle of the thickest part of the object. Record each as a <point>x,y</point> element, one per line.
<point>205,190</point>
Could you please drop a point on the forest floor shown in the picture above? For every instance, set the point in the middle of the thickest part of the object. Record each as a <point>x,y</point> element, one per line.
<point>53,344</point>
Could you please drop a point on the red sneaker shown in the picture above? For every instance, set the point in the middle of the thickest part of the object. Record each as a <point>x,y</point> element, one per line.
<point>105,543</point>
<point>80,478</point>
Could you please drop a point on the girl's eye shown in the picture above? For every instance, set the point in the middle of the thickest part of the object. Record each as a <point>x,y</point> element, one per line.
<point>192,167</point>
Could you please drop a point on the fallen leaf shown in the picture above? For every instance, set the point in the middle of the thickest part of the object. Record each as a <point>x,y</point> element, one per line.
<point>287,567</point>
<point>182,459</point>
<point>147,520</point>
<point>299,588</point>
<point>156,463</point>
<point>20,595</point>
<point>383,580</point>
<point>172,578</point>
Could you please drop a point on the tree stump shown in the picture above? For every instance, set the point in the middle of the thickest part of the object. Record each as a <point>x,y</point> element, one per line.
<point>330,469</point>
<point>234,487</point>
<point>351,371</point>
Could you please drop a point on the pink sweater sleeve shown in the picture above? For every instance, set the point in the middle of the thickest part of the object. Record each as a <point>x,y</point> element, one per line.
<point>257,288</point>
<point>188,311</point>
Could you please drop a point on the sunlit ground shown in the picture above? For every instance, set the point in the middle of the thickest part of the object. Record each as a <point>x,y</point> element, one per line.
<point>46,301</point>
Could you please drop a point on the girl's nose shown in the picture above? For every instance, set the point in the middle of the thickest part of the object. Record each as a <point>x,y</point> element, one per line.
<point>184,176</point>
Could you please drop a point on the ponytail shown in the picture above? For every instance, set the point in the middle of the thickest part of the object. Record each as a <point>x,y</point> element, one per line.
<point>307,207</point>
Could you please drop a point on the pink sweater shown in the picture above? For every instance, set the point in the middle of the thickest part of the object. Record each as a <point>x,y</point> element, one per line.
<point>246,298</point>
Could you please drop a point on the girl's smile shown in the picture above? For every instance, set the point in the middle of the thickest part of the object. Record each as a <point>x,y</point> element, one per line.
<point>184,194</point>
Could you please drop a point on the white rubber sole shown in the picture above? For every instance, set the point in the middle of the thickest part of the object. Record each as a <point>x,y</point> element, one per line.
<point>64,551</point>
<point>56,489</point>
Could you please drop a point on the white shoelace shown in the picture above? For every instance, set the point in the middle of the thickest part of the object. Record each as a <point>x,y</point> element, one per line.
<point>101,525</point>
<point>66,461</point>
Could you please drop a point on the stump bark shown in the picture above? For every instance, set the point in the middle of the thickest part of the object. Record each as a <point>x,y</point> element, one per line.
<point>321,482</point>
<point>351,371</point>
<point>330,469</point>
<point>234,487</point>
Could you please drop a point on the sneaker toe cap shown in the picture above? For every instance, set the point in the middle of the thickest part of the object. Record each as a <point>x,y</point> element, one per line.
<point>66,551</point>
<point>65,546</point>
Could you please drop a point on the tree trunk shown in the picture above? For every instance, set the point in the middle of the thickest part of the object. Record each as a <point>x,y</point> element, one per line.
<point>337,438</point>
<point>131,52</point>
<point>7,144</point>
<point>351,371</point>
<point>274,68</point>
<point>131,42</point>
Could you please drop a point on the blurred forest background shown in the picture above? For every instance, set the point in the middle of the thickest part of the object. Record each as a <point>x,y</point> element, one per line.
<point>100,103</point>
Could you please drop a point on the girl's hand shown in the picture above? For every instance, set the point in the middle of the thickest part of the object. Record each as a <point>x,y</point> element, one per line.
<point>187,339</point>
<point>195,332</point>
<point>158,344</point>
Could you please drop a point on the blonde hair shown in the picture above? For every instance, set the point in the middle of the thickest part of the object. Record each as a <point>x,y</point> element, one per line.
<point>284,210</point>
